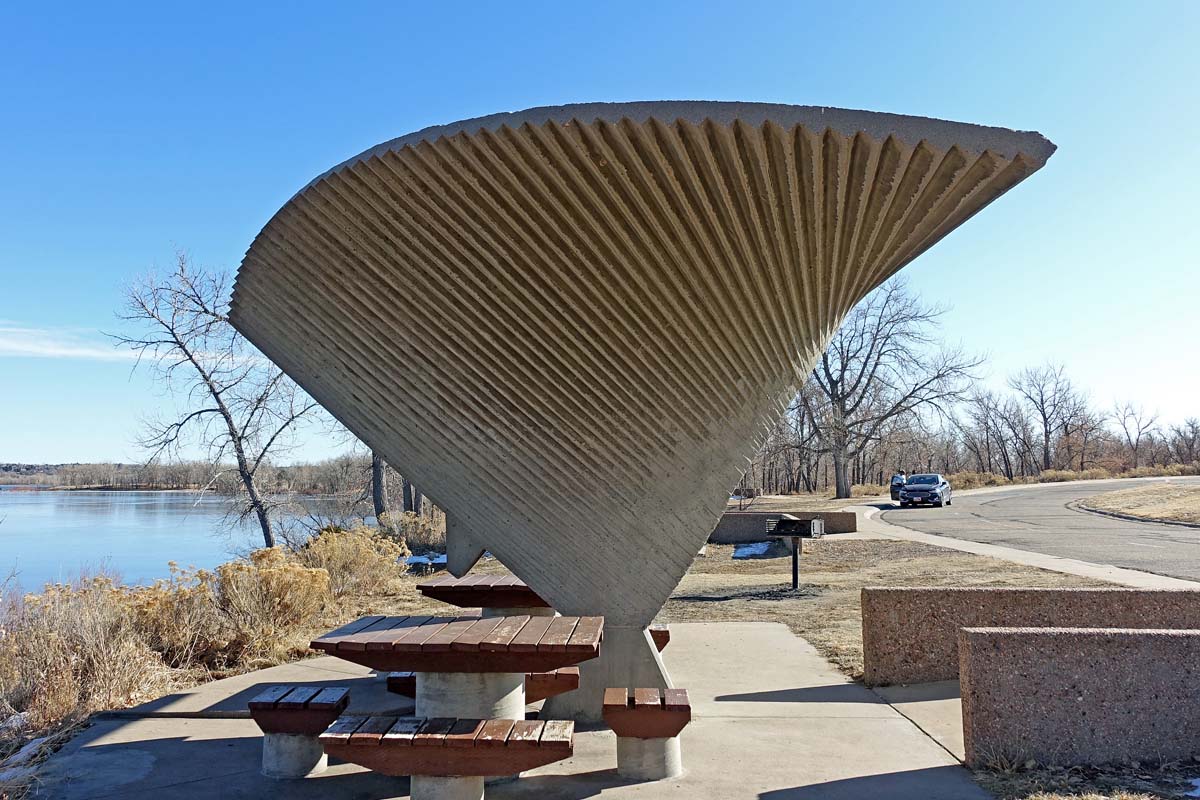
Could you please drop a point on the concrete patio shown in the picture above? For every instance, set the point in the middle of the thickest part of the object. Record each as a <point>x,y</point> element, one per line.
<point>771,720</point>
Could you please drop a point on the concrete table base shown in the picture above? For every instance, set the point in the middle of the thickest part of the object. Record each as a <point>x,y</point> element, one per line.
<point>649,759</point>
<point>471,695</point>
<point>429,787</point>
<point>290,755</point>
<point>628,657</point>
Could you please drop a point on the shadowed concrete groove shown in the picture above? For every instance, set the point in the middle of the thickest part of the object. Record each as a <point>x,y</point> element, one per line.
<point>572,326</point>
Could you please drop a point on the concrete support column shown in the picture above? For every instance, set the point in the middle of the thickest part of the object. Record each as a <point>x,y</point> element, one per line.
<point>649,759</point>
<point>290,755</point>
<point>540,611</point>
<point>432,787</point>
<point>628,658</point>
<point>472,695</point>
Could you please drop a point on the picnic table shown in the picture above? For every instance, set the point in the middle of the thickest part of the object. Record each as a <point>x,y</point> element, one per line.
<point>469,670</point>
<point>497,595</point>
<point>468,667</point>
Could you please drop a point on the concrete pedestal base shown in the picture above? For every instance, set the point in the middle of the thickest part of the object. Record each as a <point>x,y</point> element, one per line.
<point>540,611</point>
<point>430,787</point>
<point>289,755</point>
<point>472,695</point>
<point>627,658</point>
<point>649,759</point>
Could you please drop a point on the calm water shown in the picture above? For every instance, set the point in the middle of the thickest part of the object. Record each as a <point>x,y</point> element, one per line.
<point>52,536</point>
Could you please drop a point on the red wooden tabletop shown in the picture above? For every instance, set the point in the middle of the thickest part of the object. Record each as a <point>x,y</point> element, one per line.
<point>486,591</point>
<point>465,644</point>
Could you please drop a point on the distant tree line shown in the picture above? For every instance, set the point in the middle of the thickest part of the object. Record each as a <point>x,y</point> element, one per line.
<point>886,396</point>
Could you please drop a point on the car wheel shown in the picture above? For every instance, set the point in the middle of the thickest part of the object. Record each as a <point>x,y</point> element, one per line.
<point>939,503</point>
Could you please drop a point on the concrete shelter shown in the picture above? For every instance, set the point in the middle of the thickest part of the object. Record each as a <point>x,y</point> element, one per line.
<point>571,326</point>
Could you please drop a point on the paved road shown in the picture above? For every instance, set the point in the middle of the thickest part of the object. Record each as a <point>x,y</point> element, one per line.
<point>1038,518</point>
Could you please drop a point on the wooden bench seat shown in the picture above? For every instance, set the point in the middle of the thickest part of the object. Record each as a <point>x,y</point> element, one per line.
<point>448,747</point>
<point>647,713</point>
<point>297,709</point>
<point>538,685</point>
<point>541,685</point>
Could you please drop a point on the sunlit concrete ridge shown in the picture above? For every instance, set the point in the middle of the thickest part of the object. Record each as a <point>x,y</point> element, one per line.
<point>571,326</point>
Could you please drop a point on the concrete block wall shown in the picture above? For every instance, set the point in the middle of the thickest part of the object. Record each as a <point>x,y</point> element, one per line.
<point>1072,696</point>
<point>910,635</point>
<point>737,527</point>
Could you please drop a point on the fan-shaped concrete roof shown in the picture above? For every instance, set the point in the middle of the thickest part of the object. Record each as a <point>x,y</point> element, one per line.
<point>570,325</point>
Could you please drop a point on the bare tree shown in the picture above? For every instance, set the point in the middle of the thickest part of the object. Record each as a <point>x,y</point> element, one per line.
<point>1185,441</point>
<point>237,404</point>
<point>1048,394</point>
<point>882,363</point>
<point>1136,425</point>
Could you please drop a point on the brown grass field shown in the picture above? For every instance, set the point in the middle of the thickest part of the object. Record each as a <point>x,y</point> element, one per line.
<point>1165,502</point>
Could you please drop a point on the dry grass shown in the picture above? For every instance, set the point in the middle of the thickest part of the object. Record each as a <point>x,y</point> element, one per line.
<point>827,610</point>
<point>791,502</point>
<point>1158,501</point>
<point>1171,781</point>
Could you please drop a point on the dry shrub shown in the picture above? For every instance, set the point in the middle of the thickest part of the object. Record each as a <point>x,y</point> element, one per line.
<point>868,489</point>
<point>74,649</point>
<point>264,602</point>
<point>975,480</point>
<point>422,534</point>
<point>1062,475</point>
<point>178,618</point>
<point>361,561</point>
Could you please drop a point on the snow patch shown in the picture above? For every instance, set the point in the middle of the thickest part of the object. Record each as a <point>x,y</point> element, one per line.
<point>753,550</point>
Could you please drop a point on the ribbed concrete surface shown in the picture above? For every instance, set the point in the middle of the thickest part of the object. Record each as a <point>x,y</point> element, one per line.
<point>570,325</point>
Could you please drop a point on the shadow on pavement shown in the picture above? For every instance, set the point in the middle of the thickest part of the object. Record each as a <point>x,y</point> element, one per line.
<point>934,783</point>
<point>836,693</point>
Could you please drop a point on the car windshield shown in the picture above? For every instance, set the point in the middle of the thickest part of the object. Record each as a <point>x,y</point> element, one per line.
<point>922,479</point>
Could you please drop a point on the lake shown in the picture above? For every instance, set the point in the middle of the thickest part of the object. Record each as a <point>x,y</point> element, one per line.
<point>53,536</point>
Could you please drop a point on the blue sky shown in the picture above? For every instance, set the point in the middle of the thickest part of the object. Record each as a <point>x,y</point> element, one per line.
<point>129,132</point>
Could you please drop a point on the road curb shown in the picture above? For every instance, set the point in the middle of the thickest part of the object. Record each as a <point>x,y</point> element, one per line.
<point>1076,505</point>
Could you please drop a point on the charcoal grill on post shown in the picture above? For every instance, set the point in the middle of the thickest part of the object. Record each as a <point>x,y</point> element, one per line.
<point>789,527</point>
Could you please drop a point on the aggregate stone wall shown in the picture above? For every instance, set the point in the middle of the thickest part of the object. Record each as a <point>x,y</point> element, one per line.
<point>737,527</point>
<point>910,635</point>
<point>1073,696</point>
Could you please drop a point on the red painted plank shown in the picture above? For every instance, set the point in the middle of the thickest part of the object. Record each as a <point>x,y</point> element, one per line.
<point>676,700</point>
<point>587,635</point>
<point>525,733</point>
<point>502,636</point>
<point>385,640</point>
<point>298,697</point>
<point>403,731</point>
<point>471,638</point>
<point>464,732</point>
<point>646,698</point>
<point>345,630</point>
<point>329,698</point>
<point>268,697</point>
<point>372,731</point>
<point>433,732</point>
<point>527,640</point>
<point>557,733</point>
<point>443,639</point>
<point>494,733</point>
<point>557,635</point>
<point>342,728</point>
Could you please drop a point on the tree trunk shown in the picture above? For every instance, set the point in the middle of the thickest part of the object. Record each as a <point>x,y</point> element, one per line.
<point>260,509</point>
<point>841,475</point>
<point>410,504</point>
<point>378,488</point>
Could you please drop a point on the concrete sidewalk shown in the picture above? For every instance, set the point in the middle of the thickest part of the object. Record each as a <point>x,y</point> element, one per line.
<point>870,525</point>
<point>772,720</point>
